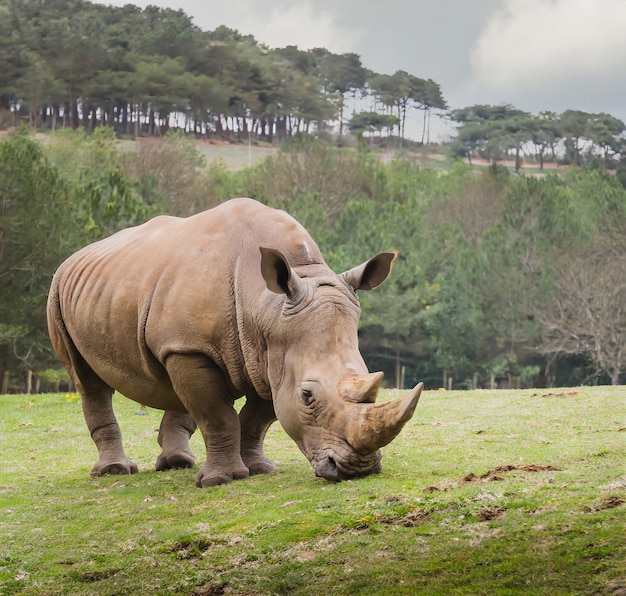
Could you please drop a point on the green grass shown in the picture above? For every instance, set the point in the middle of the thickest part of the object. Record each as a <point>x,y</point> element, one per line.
<point>484,492</point>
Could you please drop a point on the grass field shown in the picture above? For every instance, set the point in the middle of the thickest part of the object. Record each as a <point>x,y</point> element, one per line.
<point>484,492</point>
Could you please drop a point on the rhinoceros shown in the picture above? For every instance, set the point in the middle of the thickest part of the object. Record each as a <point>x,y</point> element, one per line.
<point>187,315</point>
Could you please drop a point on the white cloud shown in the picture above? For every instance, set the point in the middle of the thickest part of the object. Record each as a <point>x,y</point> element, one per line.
<point>534,43</point>
<point>302,24</point>
<point>275,23</point>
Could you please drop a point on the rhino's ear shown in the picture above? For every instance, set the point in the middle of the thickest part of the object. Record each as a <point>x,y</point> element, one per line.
<point>278,275</point>
<point>372,273</point>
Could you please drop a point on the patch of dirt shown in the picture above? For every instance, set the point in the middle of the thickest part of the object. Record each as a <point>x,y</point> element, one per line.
<point>608,503</point>
<point>96,576</point>
<point>490,513</point>
<point>562,394</point>
<point>433,489</point>
<point>211,590</point>
<point>615,587</point>
<point>412,519</point>
<point>191,549</point>
<point>394,499</point>
<point>496,473</point>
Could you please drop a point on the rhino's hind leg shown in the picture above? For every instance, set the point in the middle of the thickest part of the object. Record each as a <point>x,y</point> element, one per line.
<point>203,390</point>
<point>96,396</point>
<point>105,431</point>
<point>256,417</point>
<point>174,433</point>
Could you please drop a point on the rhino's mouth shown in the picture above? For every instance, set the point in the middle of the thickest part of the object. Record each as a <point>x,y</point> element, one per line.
<point>331,466</point>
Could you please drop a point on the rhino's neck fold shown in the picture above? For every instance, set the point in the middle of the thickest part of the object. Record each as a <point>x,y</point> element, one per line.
<point>251,354</point>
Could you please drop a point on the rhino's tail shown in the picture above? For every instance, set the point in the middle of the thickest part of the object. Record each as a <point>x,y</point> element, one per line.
<point>65,348</point>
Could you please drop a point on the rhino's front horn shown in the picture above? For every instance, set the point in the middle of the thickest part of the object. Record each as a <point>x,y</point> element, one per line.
<point>360,388</point>
<point>373,426</point>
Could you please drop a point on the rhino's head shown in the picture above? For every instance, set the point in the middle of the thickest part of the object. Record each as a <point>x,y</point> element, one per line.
<point>323,395</point>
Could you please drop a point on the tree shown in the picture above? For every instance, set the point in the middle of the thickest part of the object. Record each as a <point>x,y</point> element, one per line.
<point>371,122</point>
<point>12,56</point>
<point>477,317</point>
<point>453,314</point>
<point>588,315</point>
<point>544,134</point>
<point>427,97</point>
<point>103,198</point>
<point>491,130</point>
<point>402,91</point>
<point>34,202</point>
<point>570,239</point>
<point>307,170</point>
<point>607,133</point>
<point>340,73</point>
<point>160,86</point>
<point>394,91</point>
<point>574,127</point>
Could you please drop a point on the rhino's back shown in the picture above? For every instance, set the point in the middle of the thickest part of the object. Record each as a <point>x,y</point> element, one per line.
<point>168,285</point>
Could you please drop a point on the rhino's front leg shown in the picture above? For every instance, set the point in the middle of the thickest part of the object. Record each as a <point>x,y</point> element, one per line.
<point>256,417</point>
<point>174,433</point>
<point>203,390</point>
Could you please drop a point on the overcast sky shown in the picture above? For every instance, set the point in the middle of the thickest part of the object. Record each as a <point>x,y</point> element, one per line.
<point>533,54</point>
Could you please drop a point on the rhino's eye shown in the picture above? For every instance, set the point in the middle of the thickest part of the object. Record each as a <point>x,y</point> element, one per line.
<point>307,396</point>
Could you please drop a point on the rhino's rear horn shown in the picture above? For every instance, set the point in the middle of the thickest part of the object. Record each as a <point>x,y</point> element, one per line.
<point>360,388</point>
<point>373,426</point>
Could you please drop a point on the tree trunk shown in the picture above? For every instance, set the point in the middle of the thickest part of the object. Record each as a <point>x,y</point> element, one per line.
<point>74,118</point>
<point>5,382</point>
<point>124,122</point>
<point>151,124</point>
<point>341,119</point>
<point>398,369</point>
<point>615,377</point>
<point>136,110</point>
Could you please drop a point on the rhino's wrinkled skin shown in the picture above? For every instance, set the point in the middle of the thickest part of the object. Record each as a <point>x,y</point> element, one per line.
<point>189,314</point>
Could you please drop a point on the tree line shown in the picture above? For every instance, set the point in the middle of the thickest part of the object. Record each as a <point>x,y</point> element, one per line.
<point>501,279</point>
<point>573,137</point>
<point>144,71</point>
<point>76,63</point>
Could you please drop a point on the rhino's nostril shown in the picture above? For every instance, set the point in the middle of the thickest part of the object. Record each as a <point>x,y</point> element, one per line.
<point>328,470</point>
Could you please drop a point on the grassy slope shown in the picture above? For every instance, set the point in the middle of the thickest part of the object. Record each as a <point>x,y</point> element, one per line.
<point>484,492</point>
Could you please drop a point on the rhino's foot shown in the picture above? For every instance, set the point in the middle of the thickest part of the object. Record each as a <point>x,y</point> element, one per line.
<point>215,477</point>
<point>124,466</point>
<point>261,467</point>
<point>175,461</point>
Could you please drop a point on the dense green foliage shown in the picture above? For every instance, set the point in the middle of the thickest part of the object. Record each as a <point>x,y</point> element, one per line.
<point>483,492</point>
<point>500,279</point>
<point>46,213</point>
